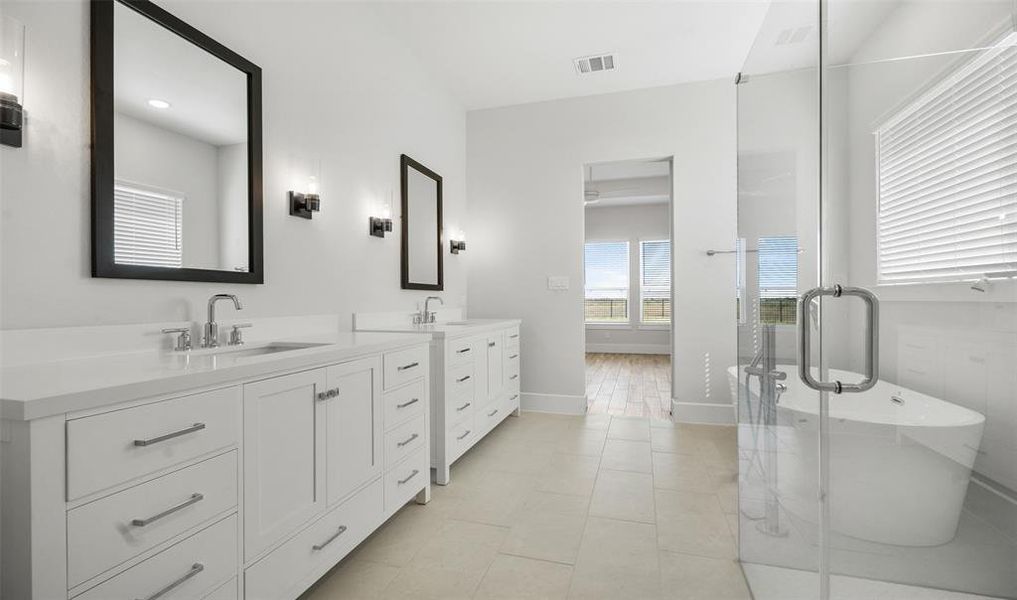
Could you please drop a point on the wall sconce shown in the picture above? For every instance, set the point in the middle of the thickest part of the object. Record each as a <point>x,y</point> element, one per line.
<point>456,246</point>
<point>304,205</point>
<point>12,80</point>
<point>379,226</point>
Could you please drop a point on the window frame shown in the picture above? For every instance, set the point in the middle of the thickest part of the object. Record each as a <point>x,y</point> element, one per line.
<point>641,321</point>
<point>627,323</point>
<point>138,189</point>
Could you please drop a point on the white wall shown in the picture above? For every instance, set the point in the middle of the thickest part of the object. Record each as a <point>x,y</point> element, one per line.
<point>631,224</point>
<point>155,157</point>
<point>342,94</point>
<point>233,207</point>
<point>526,201</point>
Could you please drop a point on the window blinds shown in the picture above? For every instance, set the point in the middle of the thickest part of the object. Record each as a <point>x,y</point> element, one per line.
<point>147,227</point>
<point>778,266</point>
<point>947,176</point>
<point>607,270</point>
<point>655,276</point>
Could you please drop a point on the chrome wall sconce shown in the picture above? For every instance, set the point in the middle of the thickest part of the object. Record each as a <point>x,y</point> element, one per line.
<point>306,204</point>
<point>379,226</point>
<point>12,80</point>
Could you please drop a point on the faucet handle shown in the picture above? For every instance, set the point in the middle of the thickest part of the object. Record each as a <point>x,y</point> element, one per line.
<point>237,336</point>
<point>183,340</point>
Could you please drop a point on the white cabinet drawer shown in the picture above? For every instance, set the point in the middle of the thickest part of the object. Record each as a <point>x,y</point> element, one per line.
<point>512,402</point>
<point>457,409</point>
<point>489,416</point>
<point>405,403</point>
<point>404,440</point>
<point>227,591</point>
<point>108,531</point>
<point>114,447</point>
<point>461,436</point>
<point>195,567</point>
<point>461,381</point>
<point>461,351</point>
<point>406,479</point>
<point>316,548</point>
<point>512,339</point>
<point>404,366</point>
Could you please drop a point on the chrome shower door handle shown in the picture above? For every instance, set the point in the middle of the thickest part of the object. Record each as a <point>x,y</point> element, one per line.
<point>871,339</point>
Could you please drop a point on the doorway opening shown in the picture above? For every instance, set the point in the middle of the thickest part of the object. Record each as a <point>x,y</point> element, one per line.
<point>628,296</point>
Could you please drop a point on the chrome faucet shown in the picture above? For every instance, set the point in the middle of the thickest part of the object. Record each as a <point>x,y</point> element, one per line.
<point>426,316</point>
<point>211,337</point>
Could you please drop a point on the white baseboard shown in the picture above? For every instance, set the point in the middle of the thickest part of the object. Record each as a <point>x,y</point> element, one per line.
<point>553,403</point>
<point>703,413</point>
<point>629,348</point>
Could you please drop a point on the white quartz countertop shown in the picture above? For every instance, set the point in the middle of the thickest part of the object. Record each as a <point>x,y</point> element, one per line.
<point>39,390</point>
<point>447,329</point>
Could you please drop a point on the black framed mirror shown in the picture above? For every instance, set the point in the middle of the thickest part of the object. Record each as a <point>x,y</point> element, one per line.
<point>422,257</point>
<point>176,150</point>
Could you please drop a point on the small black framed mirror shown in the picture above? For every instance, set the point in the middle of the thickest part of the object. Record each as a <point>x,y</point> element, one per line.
<point>176,150</point>
<point>422,257</point>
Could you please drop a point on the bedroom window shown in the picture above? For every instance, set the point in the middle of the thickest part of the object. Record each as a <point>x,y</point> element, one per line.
<point>778,279</point>
<point>655,281</point>
<point>947,177</point>
<point>607,282</point>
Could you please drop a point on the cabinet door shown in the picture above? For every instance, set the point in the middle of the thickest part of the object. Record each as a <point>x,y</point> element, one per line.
<point>495,366</point>
<point>354,426</point>
<point>284,451</point>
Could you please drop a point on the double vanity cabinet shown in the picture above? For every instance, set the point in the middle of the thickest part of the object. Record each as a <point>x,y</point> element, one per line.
<point>233,475</point>
<point>474,380</point>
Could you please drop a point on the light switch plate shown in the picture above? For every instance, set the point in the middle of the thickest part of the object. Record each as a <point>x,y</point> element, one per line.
<point>557,283</point>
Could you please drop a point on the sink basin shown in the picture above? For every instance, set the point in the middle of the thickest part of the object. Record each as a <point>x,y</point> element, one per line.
<point>466,322</point>
<point>253,350</point>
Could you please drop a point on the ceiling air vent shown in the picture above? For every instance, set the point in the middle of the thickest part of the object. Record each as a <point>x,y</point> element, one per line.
<point>592,64</point>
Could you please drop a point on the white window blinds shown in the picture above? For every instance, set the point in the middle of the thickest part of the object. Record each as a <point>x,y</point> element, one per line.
<point>147,227</point>
<point>947,176</point>
<point>655,281</point>
<point>607,281</point>
<point>778,267</point>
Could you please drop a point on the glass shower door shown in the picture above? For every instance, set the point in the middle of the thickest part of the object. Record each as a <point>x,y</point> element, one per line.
<point>919,206</point>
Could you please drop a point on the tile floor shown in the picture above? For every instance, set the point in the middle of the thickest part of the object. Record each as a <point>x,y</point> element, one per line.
<point>549,506</point>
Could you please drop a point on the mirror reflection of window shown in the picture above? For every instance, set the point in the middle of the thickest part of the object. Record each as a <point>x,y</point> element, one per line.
<point>148,226</point>
<point>180,123</point>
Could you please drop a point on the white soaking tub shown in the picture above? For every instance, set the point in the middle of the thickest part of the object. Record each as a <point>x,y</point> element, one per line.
<point>900,460</point>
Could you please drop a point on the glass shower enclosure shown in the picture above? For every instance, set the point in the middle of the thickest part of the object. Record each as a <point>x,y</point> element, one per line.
<point>876,381</point>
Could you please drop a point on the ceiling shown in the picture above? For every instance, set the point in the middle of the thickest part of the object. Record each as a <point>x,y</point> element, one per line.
<point>208,97</point>
<point>627,183</point>
<point>499,53</point>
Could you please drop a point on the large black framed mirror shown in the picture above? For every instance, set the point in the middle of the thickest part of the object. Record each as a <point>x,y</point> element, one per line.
<point>422,264</point>
<point>176,150</point>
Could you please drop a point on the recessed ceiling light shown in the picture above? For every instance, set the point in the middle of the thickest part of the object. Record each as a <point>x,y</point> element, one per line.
<point>156,103</point>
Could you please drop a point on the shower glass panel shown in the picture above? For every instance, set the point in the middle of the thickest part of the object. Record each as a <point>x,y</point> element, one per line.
<point>777,258</point>
<point>879,151</point>
<point>919,205</point>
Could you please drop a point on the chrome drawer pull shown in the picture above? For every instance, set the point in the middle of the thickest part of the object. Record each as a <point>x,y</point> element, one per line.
<point>169,436</point>
<point>407,440</point>
<point>463,351</point>
<point>463,436</point>
<point>405,404</point>
<point>194,499</point>
<point>409,477</point>
<point>514,396</point>
<point>492,413</point>
<point>513,336</point>
<point>322,396</point>
<point>195,569</point>
<point>491,344</point>
<point>409,366</point>
<point>513,356</point>
<point>463,407</point>
<point>516,376</point>
<point>339,532</point>
<point>463,379</point>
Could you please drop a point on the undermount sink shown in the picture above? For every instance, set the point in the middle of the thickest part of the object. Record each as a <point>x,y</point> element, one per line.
<point>253,350</point>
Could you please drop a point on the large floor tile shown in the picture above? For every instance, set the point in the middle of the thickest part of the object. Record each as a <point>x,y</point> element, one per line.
<point>546,536</point>
<point>688,577</point>
<point>360,579</point>
<point>623,495</point>
<point>679,472</point>
<point>629,429</point>
<point>570,474</point>
<point>429,583</point>
<point>517,578</point>
<point>461,545</point>
<point>627,455</point>
<point>617,559</point>
<point>693,523</point>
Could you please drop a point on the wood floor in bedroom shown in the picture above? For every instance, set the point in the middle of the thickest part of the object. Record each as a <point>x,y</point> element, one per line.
<point>629,385</point>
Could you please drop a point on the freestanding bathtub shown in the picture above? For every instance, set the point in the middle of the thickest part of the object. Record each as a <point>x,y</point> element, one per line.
<point>900,460</point>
